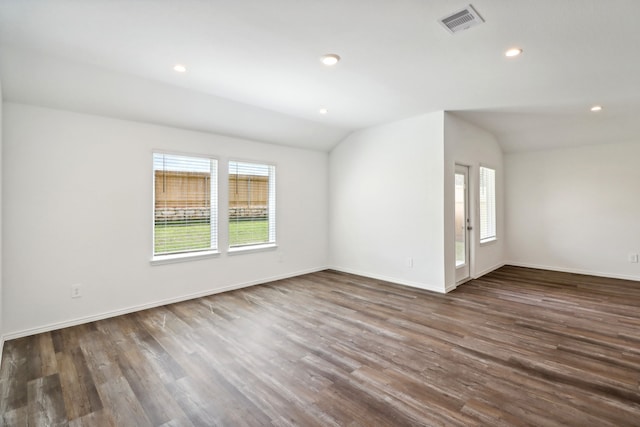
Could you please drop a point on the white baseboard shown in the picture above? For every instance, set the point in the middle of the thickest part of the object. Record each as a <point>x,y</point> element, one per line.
<point>475,276</point>
<point>573,270</point>
<point>488,270</point>
<point>1,349</point>
<point>424,286</point>
<point>132,309</point>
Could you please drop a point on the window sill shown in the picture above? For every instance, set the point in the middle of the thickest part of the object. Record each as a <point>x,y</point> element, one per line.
<point>489,241</point>
<point>170,259</point>
<point>252,248</point>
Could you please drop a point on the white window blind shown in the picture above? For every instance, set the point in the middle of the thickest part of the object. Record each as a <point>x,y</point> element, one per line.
<point>252,204</point>
<point>487,204</point>
<point>185,204</point>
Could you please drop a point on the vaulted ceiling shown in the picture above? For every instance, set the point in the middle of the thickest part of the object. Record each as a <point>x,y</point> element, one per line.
<point>253,67</point>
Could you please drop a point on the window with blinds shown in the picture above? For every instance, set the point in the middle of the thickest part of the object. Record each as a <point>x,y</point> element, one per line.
<point>252,204</point>
<point>185,204</point>
<point>487,200</point>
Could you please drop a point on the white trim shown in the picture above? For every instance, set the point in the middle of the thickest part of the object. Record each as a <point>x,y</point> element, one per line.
<point>477,275</point>
<point>133,309</point>
<point>459,282</point>
<point>236,250</point>
<point>423,286</point>
<point>183,154</point>
<point>272,206</point>
<point>187,256</point>
<point>469,235</point>
<point>488,241</point>
<point>574,271</point>
<point>494,237</point>
<point>1,350</point>
<point>214,214</point>
<point>473,277</point>
<point>246,160</point>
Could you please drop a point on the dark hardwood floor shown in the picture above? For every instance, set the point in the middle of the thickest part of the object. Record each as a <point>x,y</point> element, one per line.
<point>516,347</point>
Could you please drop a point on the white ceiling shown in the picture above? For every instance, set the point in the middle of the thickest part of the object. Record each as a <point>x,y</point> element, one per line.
<point>254,70</point>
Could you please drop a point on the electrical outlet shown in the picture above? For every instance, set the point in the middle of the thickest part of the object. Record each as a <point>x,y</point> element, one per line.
<point>76,291</point>
<point>410,262</point>
<point>633,258</point>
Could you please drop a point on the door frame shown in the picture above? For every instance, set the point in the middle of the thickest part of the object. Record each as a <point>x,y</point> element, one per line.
<point>468,195</point>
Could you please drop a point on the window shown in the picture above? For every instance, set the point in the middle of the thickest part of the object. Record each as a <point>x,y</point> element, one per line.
<point>252,204</point>
<point>185,204</point>
<point>487,204</point>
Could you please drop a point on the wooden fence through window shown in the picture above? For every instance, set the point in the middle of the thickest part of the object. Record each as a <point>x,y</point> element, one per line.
<point>179,193</point>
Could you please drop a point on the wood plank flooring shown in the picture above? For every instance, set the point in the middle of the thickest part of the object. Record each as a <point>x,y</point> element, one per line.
<point>516,347</point>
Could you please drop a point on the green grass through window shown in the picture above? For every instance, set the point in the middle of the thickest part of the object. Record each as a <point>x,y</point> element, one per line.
<point>183,238</point>
<point>247,232</point>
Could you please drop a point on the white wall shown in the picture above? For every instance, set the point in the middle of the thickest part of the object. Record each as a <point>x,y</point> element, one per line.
<point>469,145</point>
<point>575,209</point>
<point>386,202</point>
<point>77,209</point>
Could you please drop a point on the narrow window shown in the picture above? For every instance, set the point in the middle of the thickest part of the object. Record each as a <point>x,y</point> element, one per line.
<point>185,204</point>
<point>252,204</point>
<point>487,204</point>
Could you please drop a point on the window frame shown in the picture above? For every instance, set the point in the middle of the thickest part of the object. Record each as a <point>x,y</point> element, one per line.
<point>494,217</point>
<point>214,214</point>
<point>272,209</point>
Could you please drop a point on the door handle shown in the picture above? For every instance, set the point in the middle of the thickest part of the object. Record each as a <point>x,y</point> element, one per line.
<point>469,227</point>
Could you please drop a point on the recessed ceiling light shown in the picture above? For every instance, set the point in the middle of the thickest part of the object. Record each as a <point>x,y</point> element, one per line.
<point>513,52</point>
<point>330,59</point>
<point>323,111</point>
<point>180,68</point>
<point>596,108</point>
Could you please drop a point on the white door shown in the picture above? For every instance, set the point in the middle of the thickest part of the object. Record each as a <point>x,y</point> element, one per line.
<point>463,226</point>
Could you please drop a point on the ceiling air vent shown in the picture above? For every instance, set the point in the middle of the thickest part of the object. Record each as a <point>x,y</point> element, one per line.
<point>462,20</point>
